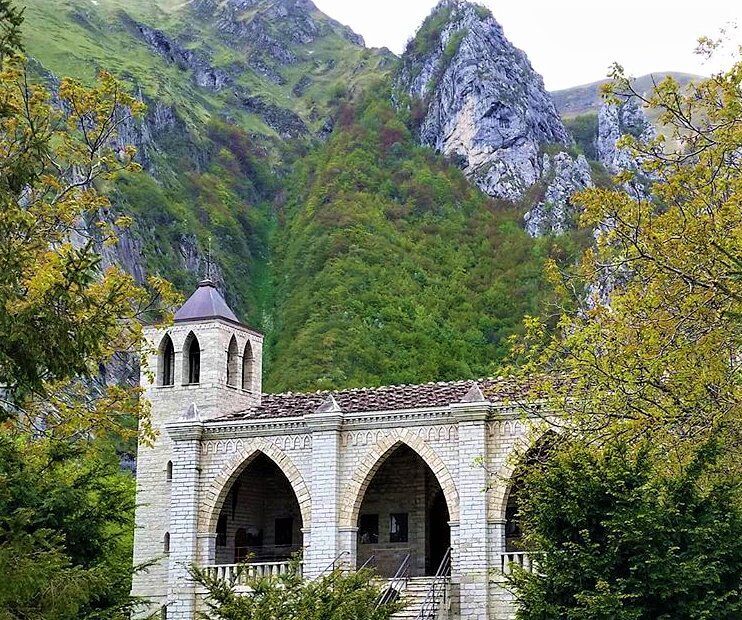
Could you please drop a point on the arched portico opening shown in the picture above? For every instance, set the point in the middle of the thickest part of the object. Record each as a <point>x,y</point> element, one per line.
<point>260,518</point>
<point>536,454</point>
<point>403,511</point>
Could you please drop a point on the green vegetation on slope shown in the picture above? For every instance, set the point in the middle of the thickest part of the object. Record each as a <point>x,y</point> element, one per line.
<point>392,268</point>
<point>373,261</point>
<point>212,167</point>
<point>227,201</point>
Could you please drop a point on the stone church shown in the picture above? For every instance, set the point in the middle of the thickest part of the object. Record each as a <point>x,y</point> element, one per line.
<point>412,480</point>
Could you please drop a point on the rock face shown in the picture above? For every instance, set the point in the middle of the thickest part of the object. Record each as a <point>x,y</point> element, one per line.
<point>478,99</point>
<point>614,121</point>
<point>264,28</point>
<point>204,74</point>
<point>285,122</point>
<point>554,214</point>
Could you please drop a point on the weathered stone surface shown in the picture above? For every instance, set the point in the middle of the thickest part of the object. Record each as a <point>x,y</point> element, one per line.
<point>614,121</point>
<point>287,123</point>
<point>483,103</point>
<point>554,214</point>
<point>204,75</point>
<point>270,28</point>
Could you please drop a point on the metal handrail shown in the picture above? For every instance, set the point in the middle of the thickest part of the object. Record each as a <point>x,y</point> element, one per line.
<point>331,565</point>
<point>430,604</point>
<point>391,592</point>
<point>369,562</point>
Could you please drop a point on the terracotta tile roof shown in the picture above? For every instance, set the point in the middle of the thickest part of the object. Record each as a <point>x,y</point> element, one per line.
<point>384,398</point>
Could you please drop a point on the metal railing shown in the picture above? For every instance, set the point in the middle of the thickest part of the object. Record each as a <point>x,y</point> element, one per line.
<point>240,573</point>
<point>438,593</point>
<point>369,563</point>
<point>525,560</point>
<point>396,584</point>
<point>334,564</point>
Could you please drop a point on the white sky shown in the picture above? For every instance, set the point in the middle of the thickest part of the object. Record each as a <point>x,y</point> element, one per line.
<point>569,42</point>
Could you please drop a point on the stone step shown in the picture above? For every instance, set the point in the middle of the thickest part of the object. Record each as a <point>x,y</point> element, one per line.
<point>413,595</point>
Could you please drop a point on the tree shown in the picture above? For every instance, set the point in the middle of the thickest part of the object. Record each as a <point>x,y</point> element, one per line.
<point>66,509</point>
<point>66,513</point>
<point>618,540</point>
<point>62,317</point>
<point>11,18</point>
<point>334,596</point>
<point>641,370</point>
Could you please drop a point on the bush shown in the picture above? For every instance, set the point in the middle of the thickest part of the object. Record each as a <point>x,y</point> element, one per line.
<point>335,596</point>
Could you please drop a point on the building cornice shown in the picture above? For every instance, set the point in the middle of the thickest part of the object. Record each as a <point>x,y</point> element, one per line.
<point>185,430</point>
<point>390,418</point>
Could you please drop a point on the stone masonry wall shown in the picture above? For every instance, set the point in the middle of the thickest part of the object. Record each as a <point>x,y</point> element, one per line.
<point>330,463</point>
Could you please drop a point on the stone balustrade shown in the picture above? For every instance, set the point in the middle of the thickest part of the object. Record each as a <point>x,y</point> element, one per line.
<point>239,574</point>
<point>524,559</point>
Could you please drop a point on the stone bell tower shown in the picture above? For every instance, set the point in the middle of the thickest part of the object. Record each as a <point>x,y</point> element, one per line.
<point>206,365</point>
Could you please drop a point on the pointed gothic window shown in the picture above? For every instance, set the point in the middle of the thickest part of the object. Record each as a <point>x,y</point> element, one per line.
<point>193,359</point>
<point>247,367</point>
<point>166,543</point>
<point>167,361</point>
<point>232,363</point>
<point>169,471</point>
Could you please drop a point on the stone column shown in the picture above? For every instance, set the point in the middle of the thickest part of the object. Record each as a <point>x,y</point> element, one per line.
<point>325,425</point>
<point>472,557</point>
<point>186,437</point>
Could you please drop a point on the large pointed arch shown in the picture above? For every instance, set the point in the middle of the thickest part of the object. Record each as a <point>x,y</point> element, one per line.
<point>355,490</point>
<point>503,478</point>
<point>218,490</point>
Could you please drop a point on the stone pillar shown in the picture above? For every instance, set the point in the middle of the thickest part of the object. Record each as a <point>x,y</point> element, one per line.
<point>472,555</point>
<point>325,425</point>
<point>186,436</point>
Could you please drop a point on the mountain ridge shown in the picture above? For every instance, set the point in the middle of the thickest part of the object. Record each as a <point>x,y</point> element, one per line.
<point>586,98</point>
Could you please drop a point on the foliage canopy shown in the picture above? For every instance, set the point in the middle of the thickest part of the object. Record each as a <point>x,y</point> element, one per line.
<point>639,514</point>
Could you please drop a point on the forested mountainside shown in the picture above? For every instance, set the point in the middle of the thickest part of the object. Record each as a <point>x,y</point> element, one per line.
<point>391,267</point>
<point>382,219</point>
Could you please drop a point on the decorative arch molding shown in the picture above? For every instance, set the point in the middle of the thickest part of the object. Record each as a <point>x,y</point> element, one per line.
<point>350,504</point>
<point>500,490</point>
<point>220,486</point>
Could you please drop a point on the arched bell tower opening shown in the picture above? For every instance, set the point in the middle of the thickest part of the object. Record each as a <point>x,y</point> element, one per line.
<point>166,362</point>
<point>403,511</point>
<point>248,362</point>
<point>191,360</point>
<point>232,362</point>
<point>260,520</point>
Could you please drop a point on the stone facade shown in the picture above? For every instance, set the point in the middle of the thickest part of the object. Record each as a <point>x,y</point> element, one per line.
<point>330,450</point>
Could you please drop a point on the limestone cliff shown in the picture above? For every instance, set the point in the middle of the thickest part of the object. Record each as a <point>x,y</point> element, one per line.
<point>478,100</point>
<point>614,121</point>
<point>564,176</point>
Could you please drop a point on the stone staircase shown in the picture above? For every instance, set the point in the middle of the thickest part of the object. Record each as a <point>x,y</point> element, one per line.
<point>413,596</point>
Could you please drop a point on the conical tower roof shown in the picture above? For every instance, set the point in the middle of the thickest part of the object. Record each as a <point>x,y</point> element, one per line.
<point>205,303</point>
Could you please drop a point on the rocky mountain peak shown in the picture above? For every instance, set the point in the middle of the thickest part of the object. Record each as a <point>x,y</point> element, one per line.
<point>272,26</point>
<point>477,98</point>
